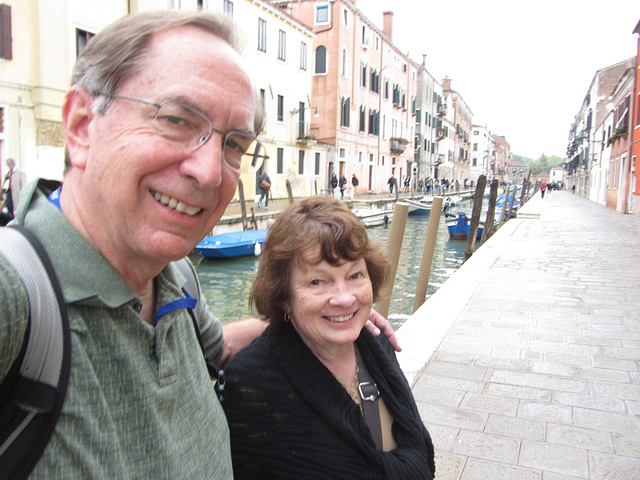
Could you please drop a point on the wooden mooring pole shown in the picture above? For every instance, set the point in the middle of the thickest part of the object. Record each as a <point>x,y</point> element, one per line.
<point>427,253</point>
<point>392,254</point>
<point>475,217</point>
<point>487,231</point>
<point>243,207</point>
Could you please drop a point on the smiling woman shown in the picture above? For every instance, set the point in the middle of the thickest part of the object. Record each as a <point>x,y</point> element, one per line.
<point>318,276</point>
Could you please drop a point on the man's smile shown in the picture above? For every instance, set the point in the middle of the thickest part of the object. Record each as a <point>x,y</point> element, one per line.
<point>174,204</point>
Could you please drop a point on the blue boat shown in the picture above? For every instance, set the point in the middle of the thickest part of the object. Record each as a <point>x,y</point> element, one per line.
<point>458,226</point>
<point>232,244</point>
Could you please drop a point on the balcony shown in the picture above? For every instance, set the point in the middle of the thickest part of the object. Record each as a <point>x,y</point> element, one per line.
<point>442,109</point>
<point>398,145</point>
<point>440,134</point>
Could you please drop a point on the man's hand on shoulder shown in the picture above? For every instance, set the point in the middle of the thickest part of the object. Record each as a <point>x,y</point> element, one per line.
<point>378,324</point>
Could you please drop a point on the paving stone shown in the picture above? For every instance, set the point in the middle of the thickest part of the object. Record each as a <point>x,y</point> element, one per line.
<point>486,446</point>
<point>589,401</point>
<point>433,394</point>
<point>442,436</point>
<point>613,467</point>
<point>555,458</point>
<point>621,424</point>
<point>454,370</point>
<point>516,427</point>
<point>537,381</point>
<point>452,416</point>
<point>627,445</point>
<point>452,383</point>
<point>545,412</point>
<point>483,470</point>
<point>517,391</point>
<point>580,438</point>
<point>490,404</point>
<point>449,466</point>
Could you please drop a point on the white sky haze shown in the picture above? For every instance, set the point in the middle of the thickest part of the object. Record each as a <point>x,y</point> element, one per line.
<point>523,68</point>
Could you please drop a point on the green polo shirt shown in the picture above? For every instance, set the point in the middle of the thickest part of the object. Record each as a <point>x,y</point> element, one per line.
<point>140,403</point>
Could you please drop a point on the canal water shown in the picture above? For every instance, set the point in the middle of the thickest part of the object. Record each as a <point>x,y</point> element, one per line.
<point>226,282</point>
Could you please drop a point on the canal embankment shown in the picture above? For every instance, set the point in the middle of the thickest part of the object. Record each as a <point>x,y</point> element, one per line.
<point>525,363</point>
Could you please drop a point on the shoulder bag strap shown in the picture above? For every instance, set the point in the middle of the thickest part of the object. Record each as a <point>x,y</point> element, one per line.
<point>369,394</point>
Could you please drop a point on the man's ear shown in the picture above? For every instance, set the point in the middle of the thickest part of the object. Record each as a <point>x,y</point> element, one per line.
<point>77,115</point>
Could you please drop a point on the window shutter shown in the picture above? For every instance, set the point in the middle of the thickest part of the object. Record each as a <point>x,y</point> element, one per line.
<point>5,32</point>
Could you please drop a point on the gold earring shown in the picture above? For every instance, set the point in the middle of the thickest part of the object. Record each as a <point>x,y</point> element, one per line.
<point>287,317</point>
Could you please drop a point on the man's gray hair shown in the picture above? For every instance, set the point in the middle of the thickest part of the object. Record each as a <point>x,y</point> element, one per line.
<point>119,51</point>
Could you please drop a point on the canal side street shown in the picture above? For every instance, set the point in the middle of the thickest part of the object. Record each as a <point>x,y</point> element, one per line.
<point>525,363</point>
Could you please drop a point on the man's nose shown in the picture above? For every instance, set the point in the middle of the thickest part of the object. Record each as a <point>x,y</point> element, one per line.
<point>206,162</point>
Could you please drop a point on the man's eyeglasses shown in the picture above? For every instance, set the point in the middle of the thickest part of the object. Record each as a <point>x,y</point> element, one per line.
<point>185,125</point>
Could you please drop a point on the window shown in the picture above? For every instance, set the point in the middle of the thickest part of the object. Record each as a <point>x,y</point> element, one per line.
<point>345,14</point>
<point>363,74</point>
<point>300,162</point>
<point>364,35</point>
<point>82,38</point>
<point>280,161</point>
<point>227,7</point>
<point>362,118</point>
<point>280,108</point>
<point>303,56</point>
<point>386,89</point>
<point>322,14</point>
<point>317,166</point>
<point>262,35</point>
<point>344,62</point>
<point>475,147</point>
<point>374,122</point>
<point>282,45</point>
<point>345,111</point>
<point>321,60</point>
<point>374,81</point>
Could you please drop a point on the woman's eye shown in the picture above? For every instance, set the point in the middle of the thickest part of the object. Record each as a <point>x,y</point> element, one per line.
<point>315,282</point>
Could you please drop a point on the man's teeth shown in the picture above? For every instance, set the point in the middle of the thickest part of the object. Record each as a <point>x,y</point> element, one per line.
<point>176,205</point>
<point>340,319</point>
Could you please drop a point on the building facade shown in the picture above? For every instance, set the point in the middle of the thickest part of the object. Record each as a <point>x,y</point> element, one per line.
<point>482,153</point>
<point>41,41</point>
<point>364,90</point>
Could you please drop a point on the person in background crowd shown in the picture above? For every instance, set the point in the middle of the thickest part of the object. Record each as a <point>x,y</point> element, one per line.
<point>343,185</point>
<point>264,183</point>
<point>14,181</point>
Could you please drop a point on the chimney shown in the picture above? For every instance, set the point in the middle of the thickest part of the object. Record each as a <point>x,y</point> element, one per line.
<point>446,84</point>
<point>387,25</point>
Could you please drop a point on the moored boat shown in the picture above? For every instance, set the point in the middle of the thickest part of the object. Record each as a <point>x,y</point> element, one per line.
<point>459,226</point>
<point>232,244</point>
<point>372,217</point>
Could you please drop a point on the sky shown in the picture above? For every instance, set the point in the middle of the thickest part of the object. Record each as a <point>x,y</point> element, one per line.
<point>523,68</point>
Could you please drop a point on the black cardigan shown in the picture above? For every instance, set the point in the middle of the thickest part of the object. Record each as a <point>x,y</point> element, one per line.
<point>290,418</point>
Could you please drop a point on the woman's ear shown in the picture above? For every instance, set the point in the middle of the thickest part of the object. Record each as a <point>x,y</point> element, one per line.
<point>77,115</point>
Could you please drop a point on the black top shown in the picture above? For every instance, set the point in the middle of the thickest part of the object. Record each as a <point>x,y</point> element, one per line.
<point>290,418</point>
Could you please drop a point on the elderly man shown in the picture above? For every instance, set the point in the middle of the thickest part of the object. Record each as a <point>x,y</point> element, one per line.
<point>157,121</point>
<point>14,181</point>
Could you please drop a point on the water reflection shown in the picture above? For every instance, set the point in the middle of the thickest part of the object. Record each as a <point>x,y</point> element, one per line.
<point>226,283</point>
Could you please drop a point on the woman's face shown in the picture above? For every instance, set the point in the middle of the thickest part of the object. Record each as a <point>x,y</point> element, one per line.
<point>329,304</point>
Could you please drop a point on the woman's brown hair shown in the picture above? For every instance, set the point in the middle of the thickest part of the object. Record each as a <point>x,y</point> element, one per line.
<point>316,221</point>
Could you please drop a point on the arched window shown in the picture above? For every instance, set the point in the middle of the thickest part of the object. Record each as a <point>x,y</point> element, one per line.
<point>321,60</point>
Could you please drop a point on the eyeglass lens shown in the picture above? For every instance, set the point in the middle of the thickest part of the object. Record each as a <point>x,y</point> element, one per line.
<point>182,124</point>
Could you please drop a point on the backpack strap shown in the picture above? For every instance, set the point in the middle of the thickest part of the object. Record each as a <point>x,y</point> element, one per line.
<point>192,289</point>
<point>34,393</point>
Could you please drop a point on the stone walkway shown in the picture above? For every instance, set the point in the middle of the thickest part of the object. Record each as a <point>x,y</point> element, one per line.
<point>525,364</point>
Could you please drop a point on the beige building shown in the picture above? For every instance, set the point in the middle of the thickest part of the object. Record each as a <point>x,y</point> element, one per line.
<point>463,121</point>
<point>46,37</point>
